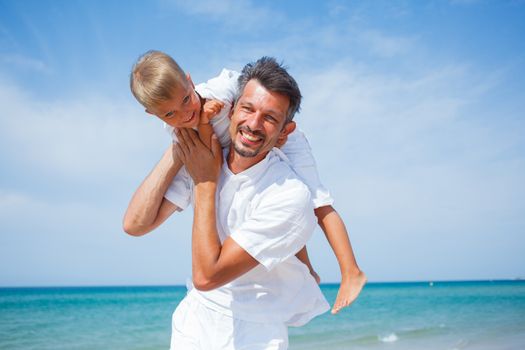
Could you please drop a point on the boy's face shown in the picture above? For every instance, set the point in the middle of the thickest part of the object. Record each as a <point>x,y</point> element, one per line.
<point>183,109</point>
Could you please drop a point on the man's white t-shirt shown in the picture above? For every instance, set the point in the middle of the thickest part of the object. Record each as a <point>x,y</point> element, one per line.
<point>296,151</point>
<point>268,211</point>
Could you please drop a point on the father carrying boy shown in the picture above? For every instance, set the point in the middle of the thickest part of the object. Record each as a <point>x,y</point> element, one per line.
<point>249,285</point>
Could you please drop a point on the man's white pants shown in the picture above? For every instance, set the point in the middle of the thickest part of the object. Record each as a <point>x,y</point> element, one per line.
<point>195,326</point>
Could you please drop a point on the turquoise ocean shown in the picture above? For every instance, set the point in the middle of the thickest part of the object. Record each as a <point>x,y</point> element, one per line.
<point>439,315</point>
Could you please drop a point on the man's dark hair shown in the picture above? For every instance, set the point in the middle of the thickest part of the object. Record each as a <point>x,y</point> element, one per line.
<point>274,77</point>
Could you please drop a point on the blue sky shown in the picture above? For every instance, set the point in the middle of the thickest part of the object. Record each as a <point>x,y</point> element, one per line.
<point>415,112</point>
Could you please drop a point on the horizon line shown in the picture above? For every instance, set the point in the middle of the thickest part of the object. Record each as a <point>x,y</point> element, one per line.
<point>517,279</point>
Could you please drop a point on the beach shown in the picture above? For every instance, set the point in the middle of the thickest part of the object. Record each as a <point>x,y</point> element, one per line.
<point>422,315</point>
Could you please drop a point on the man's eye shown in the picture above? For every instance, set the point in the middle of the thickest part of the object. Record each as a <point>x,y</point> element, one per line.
<point>271,119</point>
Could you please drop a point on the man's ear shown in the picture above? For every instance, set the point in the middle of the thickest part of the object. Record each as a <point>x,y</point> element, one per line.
<point>188,78</point>
<point>288,128</point>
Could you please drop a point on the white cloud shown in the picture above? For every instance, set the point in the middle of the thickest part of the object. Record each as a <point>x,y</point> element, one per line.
<point>417,164</point>
<point>233,14</point>
<point>385,45</point>
<point>24,62</point>
<point>47,241</point>
<point>465,2</point>
<point>8,201</point>
<point>86,138</point>
<point>71,235</point>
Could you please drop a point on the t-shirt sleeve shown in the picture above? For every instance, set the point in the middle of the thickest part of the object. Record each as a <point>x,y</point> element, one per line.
<point>299,154</point>
<point>180,190</point>
<point>221,125</point>
<point>171,131</point>
<point>279,225</point>
<point>223,87</point>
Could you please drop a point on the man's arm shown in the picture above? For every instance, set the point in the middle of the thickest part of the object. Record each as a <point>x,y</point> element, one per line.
<point>213,264</point>
<point>148,208</point>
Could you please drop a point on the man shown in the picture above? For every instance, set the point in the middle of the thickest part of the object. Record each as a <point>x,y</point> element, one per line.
<point>252,215</point>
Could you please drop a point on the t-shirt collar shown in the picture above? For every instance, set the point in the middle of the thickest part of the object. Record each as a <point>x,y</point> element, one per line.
<point>252,173</point>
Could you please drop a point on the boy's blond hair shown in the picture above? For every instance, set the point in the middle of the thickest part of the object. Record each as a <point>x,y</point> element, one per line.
<point>154,77</point>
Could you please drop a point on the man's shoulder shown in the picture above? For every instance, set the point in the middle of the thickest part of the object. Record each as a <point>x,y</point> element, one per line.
<point>279,176</point>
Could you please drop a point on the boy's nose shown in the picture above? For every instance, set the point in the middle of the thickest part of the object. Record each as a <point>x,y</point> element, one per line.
<point>185,113</point>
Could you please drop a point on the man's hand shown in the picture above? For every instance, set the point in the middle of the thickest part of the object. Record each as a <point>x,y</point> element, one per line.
<point>203,164</point>
<point>209,110</point>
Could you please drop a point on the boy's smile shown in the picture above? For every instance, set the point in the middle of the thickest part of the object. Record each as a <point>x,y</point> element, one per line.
<point>183,109</point>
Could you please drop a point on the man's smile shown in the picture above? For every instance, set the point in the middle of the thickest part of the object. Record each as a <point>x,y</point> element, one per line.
<point>250,138</point>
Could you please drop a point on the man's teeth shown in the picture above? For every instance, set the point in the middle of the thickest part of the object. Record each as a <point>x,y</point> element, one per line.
<point>249,137</point>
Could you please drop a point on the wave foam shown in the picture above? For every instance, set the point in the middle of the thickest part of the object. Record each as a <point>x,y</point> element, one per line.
<point>392,337</point>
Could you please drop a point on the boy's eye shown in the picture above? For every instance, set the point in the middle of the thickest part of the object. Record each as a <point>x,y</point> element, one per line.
<point>169,114</point>
<point>186,99</point>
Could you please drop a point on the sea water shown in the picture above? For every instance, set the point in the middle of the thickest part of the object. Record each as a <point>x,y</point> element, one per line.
<point>439,315</point>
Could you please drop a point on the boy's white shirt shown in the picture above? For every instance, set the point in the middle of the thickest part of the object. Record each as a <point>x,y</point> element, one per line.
<point>296,151</point>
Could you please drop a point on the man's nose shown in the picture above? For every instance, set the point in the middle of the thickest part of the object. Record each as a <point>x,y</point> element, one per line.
<point>255,121</point>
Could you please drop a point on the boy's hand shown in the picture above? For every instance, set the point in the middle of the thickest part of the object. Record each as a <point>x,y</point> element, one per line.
<point>209,110</point>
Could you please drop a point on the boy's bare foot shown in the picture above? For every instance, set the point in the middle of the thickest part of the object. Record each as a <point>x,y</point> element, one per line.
<point>349,291</point>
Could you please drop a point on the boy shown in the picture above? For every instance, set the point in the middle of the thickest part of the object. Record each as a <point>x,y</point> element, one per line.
<point>163,88</point>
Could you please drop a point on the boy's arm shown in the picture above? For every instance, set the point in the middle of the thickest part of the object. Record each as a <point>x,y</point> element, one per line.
<point>148,208</point>
<point>209,110</point>
<point>352,278</point>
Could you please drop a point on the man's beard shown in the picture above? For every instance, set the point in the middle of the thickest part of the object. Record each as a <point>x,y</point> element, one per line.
<point>247,152</point>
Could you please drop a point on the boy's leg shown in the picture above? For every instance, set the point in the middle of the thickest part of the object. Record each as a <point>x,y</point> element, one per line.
<point>352,278</point>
